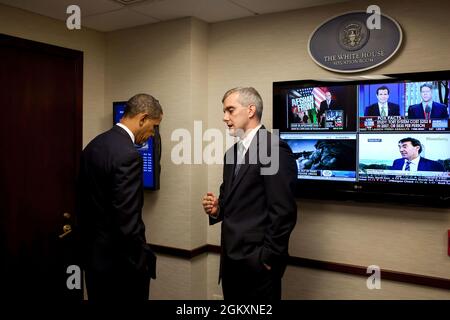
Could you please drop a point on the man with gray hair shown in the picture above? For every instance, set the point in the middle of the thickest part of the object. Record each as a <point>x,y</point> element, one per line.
<point>116,258</point>
<point>256,206</point>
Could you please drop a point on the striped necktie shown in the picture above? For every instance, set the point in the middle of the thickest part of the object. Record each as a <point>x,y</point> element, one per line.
<point>407,167</point>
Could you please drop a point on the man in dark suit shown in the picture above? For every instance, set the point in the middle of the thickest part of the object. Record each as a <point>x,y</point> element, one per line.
<point>428,109</point>
<point>410,149</point>
<point>327,104</point>
<point>117,260</point>
<point>382,108</point>
<point>256,203</point>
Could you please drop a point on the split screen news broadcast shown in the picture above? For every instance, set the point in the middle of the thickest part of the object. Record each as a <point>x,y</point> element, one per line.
<point>390,134</point>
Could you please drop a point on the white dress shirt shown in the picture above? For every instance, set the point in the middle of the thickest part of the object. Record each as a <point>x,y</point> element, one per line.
<point>124,127</point>
<point>384,106</point>
<point>413,165</point>
<point>247,139</point>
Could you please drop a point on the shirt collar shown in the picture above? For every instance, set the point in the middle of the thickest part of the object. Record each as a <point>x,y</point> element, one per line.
<point>124,127</point>
<point>429,103</point>
<point>415,161</point>
<point>249,137</point>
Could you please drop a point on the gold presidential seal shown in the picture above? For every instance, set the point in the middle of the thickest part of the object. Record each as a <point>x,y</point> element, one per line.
<point>353,35</point>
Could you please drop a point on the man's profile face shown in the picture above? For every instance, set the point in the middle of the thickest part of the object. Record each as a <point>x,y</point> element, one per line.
<point>328,96</point>
<point>408,151</point>
<point>425,92</point>
<point>235,115</point>
<point>147,130</point>
<point>383,96</point>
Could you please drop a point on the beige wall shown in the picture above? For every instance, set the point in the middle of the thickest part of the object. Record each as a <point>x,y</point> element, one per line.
<point>168,61</point>
<point>188,65</point>
<point>304,283</point>
<point>30,26</point>
<point>259,50</point>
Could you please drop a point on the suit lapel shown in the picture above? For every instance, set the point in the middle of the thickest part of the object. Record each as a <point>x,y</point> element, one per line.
<point>420,165</point>
<point>377,110</point>
<point>229,169</point>
<point>433,113</point>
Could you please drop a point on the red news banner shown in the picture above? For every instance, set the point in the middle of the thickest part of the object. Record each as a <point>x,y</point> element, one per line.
<point>401,124</point>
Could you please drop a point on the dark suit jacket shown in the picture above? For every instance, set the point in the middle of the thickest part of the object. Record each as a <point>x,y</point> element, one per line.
<point>258,212</point>
<point>374,111</point>
<point>438,111</point>
<point>324,107</point>
<point>110,204</point>
<point>424,165</point>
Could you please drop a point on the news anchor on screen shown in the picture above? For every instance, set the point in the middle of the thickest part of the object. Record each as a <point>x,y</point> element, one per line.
<point>327,104</point>
<point>427,109</point>
<point>410,149</point>
<point>382,108</point>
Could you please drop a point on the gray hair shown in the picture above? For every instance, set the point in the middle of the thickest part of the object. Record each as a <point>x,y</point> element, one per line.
<point>247,96</point>
<point>143,103</point>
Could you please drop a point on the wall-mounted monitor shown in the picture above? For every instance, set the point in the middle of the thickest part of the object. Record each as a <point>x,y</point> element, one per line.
<point>150,152</point>
<point>384,137</point>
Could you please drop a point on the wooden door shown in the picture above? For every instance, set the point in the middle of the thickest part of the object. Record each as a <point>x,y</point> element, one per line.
<point>40,145</point>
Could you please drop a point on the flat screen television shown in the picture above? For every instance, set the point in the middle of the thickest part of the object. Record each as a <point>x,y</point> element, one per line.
<point>387,137</point>
<point>150,152</point>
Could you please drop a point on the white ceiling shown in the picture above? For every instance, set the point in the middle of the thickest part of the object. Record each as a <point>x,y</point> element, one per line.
<point>109,15</point>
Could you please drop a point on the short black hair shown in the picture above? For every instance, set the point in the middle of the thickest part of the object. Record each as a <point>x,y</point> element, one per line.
<point>414,142</point>
<point>428,85</point>
<point>143,102</point>
<point>383,88</point>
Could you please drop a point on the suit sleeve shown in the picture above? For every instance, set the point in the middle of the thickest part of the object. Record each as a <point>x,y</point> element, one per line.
<point>411,113</point>
<point>394,165</point>
<point>127,203</point>
<point>221,199</point>
<point>396,108</point>
<point>281,206</point>
<point>444,111</point>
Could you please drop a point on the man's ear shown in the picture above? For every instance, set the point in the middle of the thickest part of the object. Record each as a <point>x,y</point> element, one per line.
<point>252,110</point>
<point>142,116</point>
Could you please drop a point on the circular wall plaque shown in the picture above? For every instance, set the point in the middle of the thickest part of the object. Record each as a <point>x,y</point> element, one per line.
<point>346,44</point>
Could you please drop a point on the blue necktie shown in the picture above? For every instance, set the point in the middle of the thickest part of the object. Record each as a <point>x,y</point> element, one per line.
<point>407,168</point>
